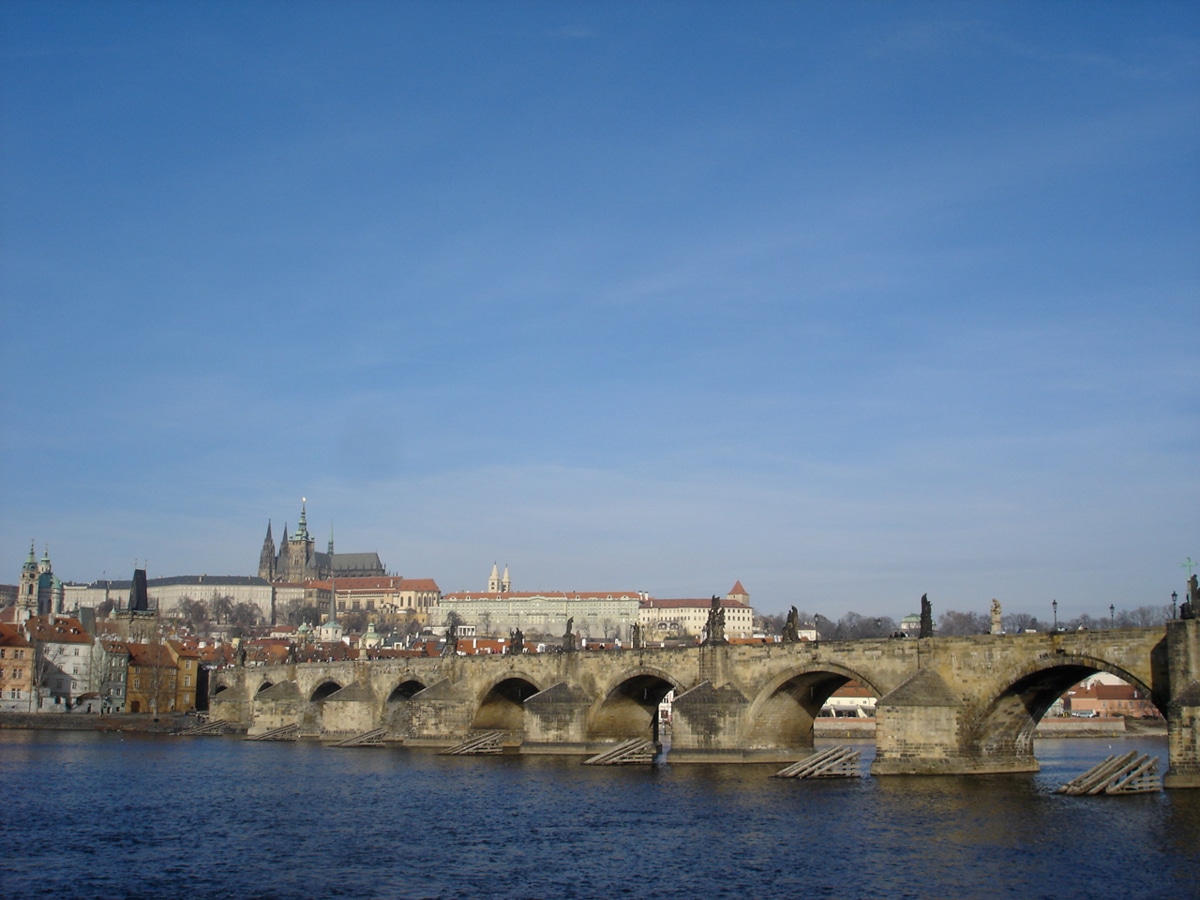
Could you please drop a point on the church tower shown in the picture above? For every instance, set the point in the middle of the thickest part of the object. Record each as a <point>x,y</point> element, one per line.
<point>27,590</point>
<point>297,550</point>
<point>493,579</point>
<point>266,559</point>
<point>505,582</point>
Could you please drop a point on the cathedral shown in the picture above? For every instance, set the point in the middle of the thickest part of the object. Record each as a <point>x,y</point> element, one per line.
<point>298,561</point>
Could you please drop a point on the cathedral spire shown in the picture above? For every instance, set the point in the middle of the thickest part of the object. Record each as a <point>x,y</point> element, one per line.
<point>267,558</point>
<point>302,527</point>
<point>331,545</point>
<point>494,580</point>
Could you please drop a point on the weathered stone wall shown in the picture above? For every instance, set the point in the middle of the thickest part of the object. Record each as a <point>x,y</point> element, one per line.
<point>963,704</point>
<point>1183,712</point>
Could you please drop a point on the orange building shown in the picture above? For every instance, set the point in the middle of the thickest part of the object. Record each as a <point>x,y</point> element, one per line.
<point>1098,699</point>
<point>16,670</point>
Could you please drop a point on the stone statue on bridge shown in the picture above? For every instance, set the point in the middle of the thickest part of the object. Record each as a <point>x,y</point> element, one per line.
<point>1191,606</point>
<point>516,644</point>
<point>636,641</point>
<point>568,640</point>
<point>791,628</point>
<point>996,617</point>
<point>715,629</point>
<point>926,617</point>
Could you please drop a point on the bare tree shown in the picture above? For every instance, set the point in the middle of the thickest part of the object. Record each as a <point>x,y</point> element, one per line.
<point>221,608</point>
<point>244,616</point>
<point>1142,617</point>
<point>952,623</point>
<point>194,613</point>
<point>1015,623</point>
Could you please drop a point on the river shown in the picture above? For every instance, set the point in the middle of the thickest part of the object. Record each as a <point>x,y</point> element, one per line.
<point>92,815</point>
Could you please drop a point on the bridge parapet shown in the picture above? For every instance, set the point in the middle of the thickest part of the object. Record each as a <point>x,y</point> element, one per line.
<point>950,705</point>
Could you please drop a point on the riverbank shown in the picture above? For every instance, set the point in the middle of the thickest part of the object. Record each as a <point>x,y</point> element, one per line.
<point>864,729</point>
<point>841,729</point>
<point>143,722</point>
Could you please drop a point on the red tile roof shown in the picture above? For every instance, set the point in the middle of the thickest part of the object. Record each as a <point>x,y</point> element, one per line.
<point>11,636</point>
<point>57,630</point>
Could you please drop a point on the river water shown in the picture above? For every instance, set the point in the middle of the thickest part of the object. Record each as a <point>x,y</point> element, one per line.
<point>143,816</point>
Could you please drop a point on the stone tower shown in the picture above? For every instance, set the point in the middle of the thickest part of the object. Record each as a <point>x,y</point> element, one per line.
<point>27,590</point>
<point>297,550</point>
<point>266,559</point>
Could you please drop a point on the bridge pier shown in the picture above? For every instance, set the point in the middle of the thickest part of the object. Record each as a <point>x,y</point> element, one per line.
<point>440,715</point>
<point>556,720</point>
<point>1183,710</point>
<point>925,728</point>
<point>707,723</point>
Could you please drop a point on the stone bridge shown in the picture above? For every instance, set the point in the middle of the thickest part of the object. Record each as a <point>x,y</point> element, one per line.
<point>945,705</point>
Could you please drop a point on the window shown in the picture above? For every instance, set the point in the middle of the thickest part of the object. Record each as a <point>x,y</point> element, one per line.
<point>187,680</point>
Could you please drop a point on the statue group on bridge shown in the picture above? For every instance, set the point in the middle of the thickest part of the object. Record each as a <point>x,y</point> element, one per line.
<point>715,629</point>
<point>791,628</point>
<point>1191,606</point>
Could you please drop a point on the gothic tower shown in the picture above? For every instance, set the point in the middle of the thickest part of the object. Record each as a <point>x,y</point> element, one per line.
<point>266,559</point>
<point>297,550</point>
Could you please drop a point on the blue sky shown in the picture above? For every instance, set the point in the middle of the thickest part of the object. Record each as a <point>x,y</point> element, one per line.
<point>851,302</point>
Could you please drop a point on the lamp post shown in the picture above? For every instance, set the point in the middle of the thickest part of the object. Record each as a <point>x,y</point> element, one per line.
<point>1174,604</point>
<point>1112,615</point>
<point>1054,604</point>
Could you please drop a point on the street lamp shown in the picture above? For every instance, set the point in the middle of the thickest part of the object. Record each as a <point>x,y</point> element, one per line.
<point>1054,603</point>
<point>1174,604</point>
<point>1112,615</point>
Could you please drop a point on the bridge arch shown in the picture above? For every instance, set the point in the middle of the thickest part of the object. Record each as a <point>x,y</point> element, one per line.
<point>262,687</point>
<point>323,690</point>
<point>629,707</point>
<point>1008,720</point>
<point>405,690</point>
<point>501,704</point>
<point>782,713</point>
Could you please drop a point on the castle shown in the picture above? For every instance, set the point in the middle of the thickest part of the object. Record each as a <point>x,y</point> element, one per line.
<point>298,561</point>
